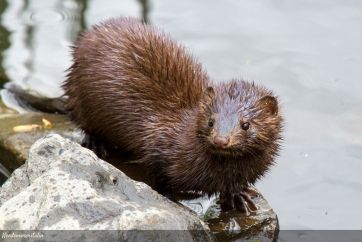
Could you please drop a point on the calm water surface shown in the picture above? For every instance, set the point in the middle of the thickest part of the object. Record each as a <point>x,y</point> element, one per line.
<point>309,52</point>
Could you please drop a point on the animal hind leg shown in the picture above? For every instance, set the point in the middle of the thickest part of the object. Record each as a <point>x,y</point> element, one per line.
<point>95,144</point>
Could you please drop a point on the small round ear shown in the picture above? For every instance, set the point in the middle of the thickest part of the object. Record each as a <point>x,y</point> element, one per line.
<point>209,92</point>
<point>269,104</point>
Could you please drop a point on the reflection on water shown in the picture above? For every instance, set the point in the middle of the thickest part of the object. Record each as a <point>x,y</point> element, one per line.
<point>4,43</point>
<point>41,33</point>
<point>145,10</point>
<point>309,52</point>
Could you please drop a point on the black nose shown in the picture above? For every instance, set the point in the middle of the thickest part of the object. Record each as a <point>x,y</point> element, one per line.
<point>221,142</point>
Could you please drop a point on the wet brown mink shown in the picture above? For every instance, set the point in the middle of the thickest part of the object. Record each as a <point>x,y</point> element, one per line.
<point>134,87</point>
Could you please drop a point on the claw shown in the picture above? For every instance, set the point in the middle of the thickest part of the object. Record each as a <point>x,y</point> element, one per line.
<point>250,192</point>
<point>249,201</point>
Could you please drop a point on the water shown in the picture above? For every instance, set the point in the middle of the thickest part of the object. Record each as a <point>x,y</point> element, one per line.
<point>309,52</point>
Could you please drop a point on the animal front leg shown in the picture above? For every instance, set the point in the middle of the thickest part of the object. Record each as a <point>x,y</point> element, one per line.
<point>241,201</point>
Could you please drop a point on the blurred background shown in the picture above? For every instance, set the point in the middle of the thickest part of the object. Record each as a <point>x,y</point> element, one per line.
<point>309,52</point>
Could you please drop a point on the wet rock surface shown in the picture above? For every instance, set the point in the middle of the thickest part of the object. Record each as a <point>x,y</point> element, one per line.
<point>259,225</point>
<point>65,186</point>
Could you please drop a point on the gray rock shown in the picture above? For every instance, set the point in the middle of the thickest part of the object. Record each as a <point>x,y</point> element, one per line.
<point>63,186</point>
<point>15,143</point>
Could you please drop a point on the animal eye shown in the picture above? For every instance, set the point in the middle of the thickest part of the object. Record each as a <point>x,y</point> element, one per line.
<point>211,122</point>
<point>245,125</point>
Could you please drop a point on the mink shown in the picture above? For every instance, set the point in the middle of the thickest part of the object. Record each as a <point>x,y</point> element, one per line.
<point>132,86</point>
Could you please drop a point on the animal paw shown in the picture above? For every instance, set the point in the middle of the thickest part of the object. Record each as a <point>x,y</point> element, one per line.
<point>241,201</point>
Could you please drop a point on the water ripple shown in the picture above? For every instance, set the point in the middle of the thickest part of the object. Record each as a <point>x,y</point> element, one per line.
<point>50,16</point>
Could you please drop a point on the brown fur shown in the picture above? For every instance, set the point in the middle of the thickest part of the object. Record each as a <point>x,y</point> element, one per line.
<point>134,87</point>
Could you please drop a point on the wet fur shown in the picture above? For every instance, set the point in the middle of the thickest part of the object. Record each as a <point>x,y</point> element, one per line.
<point>132,86</point>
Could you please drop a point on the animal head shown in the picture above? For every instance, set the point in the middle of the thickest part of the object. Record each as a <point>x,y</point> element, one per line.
<point>239,118</point>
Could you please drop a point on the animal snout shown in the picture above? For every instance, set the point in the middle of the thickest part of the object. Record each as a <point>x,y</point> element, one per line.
<point>221,141</point>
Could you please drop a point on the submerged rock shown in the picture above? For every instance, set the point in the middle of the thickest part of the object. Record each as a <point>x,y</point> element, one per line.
<point>63,186</point>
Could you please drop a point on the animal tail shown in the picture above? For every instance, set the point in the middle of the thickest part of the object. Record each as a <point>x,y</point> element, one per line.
<point>22,101</point>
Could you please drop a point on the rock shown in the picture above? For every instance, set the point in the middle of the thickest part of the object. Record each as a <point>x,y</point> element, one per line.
<point>20,131</point>
<point>63,186</point>
<point>260,225</point>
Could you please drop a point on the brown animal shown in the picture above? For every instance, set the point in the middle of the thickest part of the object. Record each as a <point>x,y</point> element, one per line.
<point>132,86</point>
